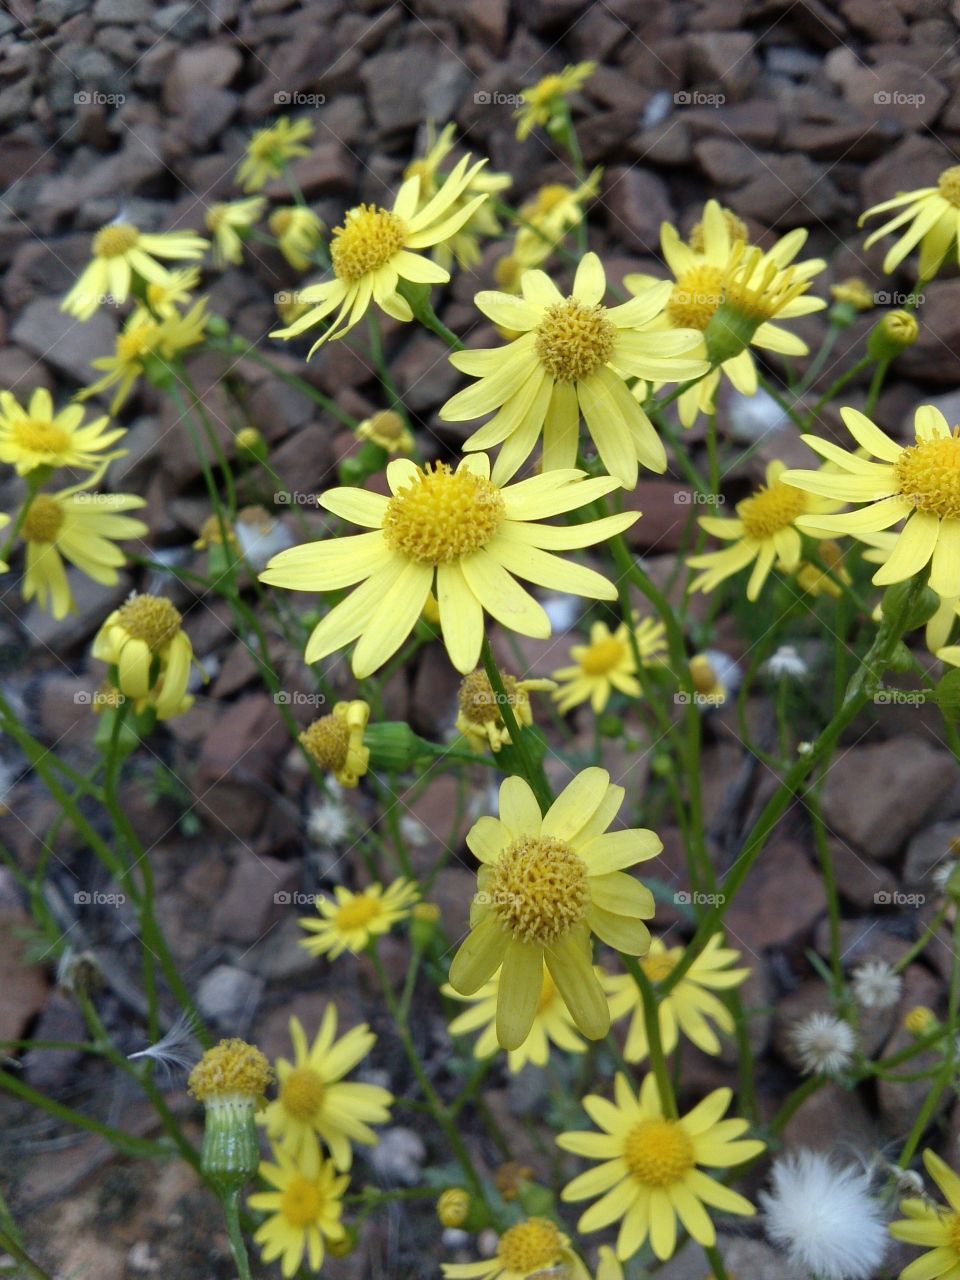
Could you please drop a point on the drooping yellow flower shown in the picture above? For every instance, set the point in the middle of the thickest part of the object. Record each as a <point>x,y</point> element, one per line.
<point>226,221</point>
<point>456,529</point>
<point>388,430</point>
<point>376,248</point>
<point>530,1250</point>
<point>144,640</point>
<point>764,531</point>
<point>541,101</point>
<point>855,292</point>
<point>918,483</point>
<point>934,1227</point>
<point>689,1007</point>
<point>479,718</point>
<point>828,580</point>
<point>122,253</point>
<point>315,1102</point>
<point>298,231</point>
<point>547,882</point>
<point>164,299</point>
<point>145,339</point>
<point>350,920</point>
<point>607,663</point>
<point>931,217</point>
<point>572,358</point>
<point>650,1173</point>
<point>335,742</point>
<point>35,436</point>
<point>544,220</point>
<point>269,150</point>
<point>305,1207</point>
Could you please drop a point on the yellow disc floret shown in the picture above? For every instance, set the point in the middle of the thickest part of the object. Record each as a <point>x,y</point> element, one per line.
<point>771,509</point>
<point>43,520</point>
<point>574,340</point>
<point>529,1246</point>
<point>358,912</point>
<point>230,1069</point>
<point>301,1203</point>
<point>443,515</point>
<point>603,656</point>
<point>658,1152</point>
<point>151,619</point>
<point>928,473</point>
<point>539,889</point>
<point>115,240</point>
<point>368,239</point>
<point>695,297</point>
<point>948,185</point>
<point>302,1093</point>
<point>327,740</point>
<point>39,436</point>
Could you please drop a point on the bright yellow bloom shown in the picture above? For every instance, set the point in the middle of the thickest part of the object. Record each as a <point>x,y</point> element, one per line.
<point>573,357</point>
<point>551,1024</point>
<point>919,1020</point>
<point>531,1250</point>
<point>143,639</point>
<point>145,339</point>
<point>543,100</point>
<point>225,221</point>
<point>932,219</point>
<point>455,528</point>
<point>82,527</point>
<point>335,742</point>
<point>650,1173</point>
<point>547,882</point>
<point>919,483</point>
<point>375,249</point>
<point>350,920</point>
<point>479,718</point>
<point>607,663</point>
<point>388,430</point>
<point>935,1227</point>
<point>298,231</point>
<point>122,253</point>
<point>688,1007</point>
<point>314,1101</point>
<point>763,531</point>
<point>164,299</point>
<point>38,437</point>
<point>269,150</point>
<point>305,1206</point>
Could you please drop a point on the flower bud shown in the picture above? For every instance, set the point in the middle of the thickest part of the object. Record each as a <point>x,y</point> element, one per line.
<point>424,918</point>
<point>895,332</point>
<point>230,1080</point>
<point>394,746</point>
<point>920,1020</point>
<point>453,1207</point>
<point>251,444</point>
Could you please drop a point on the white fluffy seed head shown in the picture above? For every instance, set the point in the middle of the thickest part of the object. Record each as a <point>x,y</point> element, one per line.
<point>823,1044</point>
<point>875,985</point>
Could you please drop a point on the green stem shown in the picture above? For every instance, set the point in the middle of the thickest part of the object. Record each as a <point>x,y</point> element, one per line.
<point>532,772</point>
<point>651,1022</point>
<point>231,1212</point>
<point>29,1267</point>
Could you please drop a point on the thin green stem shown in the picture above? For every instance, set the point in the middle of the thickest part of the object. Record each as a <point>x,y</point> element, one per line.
<point>533,771</point>
<point>231,1212</point>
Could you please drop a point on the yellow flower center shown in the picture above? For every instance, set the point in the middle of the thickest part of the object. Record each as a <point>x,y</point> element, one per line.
<point>658,966</point>
<point>114,241</point>
<point>603,656</point>
<point>327,740</point>
<point>574,340</point>
<point>771,509</point>
<point>658,1152</point>
<point>387,425</point>
<point>230,1068</point>
<point>442,515</point>
<point>952,1224</point>
<point>539,889</point>
<point>40,437</point>
<point>736,229</point>
<point>695,297</point>
<point>369,237</point>
<point>44,519</point>
<point>280,221</point>
<point>357,913</point>
<point>529,1246</point>
<point>302,1093</point>
<point>478,702</point>
<point>928,474</point>
<point>151,619</point>
<point>949,185</point>
<point>301,1202</point>
<point>135,343</point>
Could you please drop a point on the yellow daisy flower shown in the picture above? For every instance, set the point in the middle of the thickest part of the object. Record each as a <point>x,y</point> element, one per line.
<point>933,1226</point>
<point>350,920</point>
<point>551,1024</point>
<point>335,742</point>
<point>123,254</point>
<point>688,1007</point>
<point>386,429</point>
<point>572,358</point>
<point>84,528</point>
<point>298,231</point>
<point>542,100</point>
<point>650,1173</point>
<point>547,882</point>
<point>479,718</point>
<point>764,531</point>
<point>144,640</point>
<point>375,249</point>
<point>304,1207</point>
<point>35,436</point>
<point>225,221</point>
<point>607,663</point>
<point>530,1250</point>
<point>932,219</point>
<point>145,339</point>
<point>269,150</point>
<point>164,299</point>
<point>455,528</point>
<point>315,1102</point>
<point>544,220</point>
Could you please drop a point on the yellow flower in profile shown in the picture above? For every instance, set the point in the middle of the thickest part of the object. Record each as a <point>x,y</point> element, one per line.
<point>315,1102</point>
<point>225,221</point>
<point>388,430</point>
<point>650,1173</point>
<point>688,1008</point>
<point>607,663</point>
<point>456,529</point>
<point>335,742</point>
<point>479,718</point>
<point>544,220</point>
<point>573,357</point>
<point>530,1250</point>
<point>829,580</point>
<point>376,249</point>
<point>918,483</point>
<point>122,256</point>
<point>298,231</point>
<point>551,1024</point>
<point>934,1227</point>
<point>35,436</point>
<point>144,640</point>
<point>763,532</point>
<point>164,299</point>
<point>144,339</point>
<point>542,100</point>
<point>855,292</point>
<point>709,690</point>
<point>349,921</point>
<point>929,216</point>
<point>547,882</point>
<point>81,527</point>
<point>269,150</point>
<point>304,1205</point>
<point>453,1206</point>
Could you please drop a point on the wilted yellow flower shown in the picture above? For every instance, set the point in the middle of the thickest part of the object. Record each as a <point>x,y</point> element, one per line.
<point>530,1250</point>
<point>349,921</point>
<point>388,430</point>
<point>335,742</point>
<point>122,253</point>
<point>212,531</point>
<point>269,150</point>
<point>708,688</point>
<point>38,437</point>
<point>854,291</point>
<point>479,718</point>
<point>607,663</point>
<point>298,231</point>
<point>145,339</point>
<point>827,581</point>
<point>230,1080</point>
<point>542,100</point>
<point>304,1208</point>
<point>225,222</point>
<point>544,220</point>
<point>143,639</point>
<point>932,218</point>
<point>919,1020</point>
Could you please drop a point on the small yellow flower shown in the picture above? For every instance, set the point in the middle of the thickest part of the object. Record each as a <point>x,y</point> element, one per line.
<point>305,1205</point>
<point>335,742</point>
<point>212,531</point>
<point>249,440</point>
<point>854,291</point>
<point>298,231</point>
<point>932,1226</point>
<point>146,340</point>
<point>544,220</point>
<point>143,639</point>
<point>531,1250</point>
<point>709,690</point>
<point>350,920</point>
<point>919,1020</point>
<point>817,581</point>
<point>38,437</point>
<point>388,430</point>
<point>932,218</point>
<point>123,254</point>
<point>542,101</point>
<point>226,221</point>
<point>453,1205</point>
<point>896,331</point>
<point>269,150</point>
<point>231,1069</point>
<point>479,718</point>
<point>607,664</point>
<point>163,299</point>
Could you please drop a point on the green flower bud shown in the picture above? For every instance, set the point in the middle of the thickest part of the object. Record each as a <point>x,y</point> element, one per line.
<point>923,608</point>
<point>394,746</point>
<point>895,332</point>
<point>230,1080</point>
<point>729,332</point>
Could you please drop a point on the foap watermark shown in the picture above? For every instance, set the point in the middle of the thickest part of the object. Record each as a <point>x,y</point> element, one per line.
<point>695,898</point>
<point>297,698</point>
<point>94,898</point>
<point>98,698</point>
<point>894,98</point>
<point>294,898</point>
<point>894,898</point>
<point>95,98</point>
<point>494,98</point>
<point>294,98</point>
<point>884,298</point>
<point>900,697</point>
<point>693,498</point>
<point>696,98</point>
<point>683,699</point>
<point>294,498</point>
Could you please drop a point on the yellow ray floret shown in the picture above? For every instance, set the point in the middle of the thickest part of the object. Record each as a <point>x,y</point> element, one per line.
<point>35,436</point>
<point>928,217</point>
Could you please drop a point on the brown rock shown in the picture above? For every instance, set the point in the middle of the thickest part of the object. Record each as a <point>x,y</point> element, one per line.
<point>668,512</point>
<point>207,66</point>
<point>724,57</point>
<point>900,1101</point>
<point>782,874</point>
<point>486,22</point>
<point>63,341</point>
<point>258,893</point>
<point>727,162</point>
<point>859,880</point>
<point>935,356</point>
<point>831,1118</point>
<point>637,202</point>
